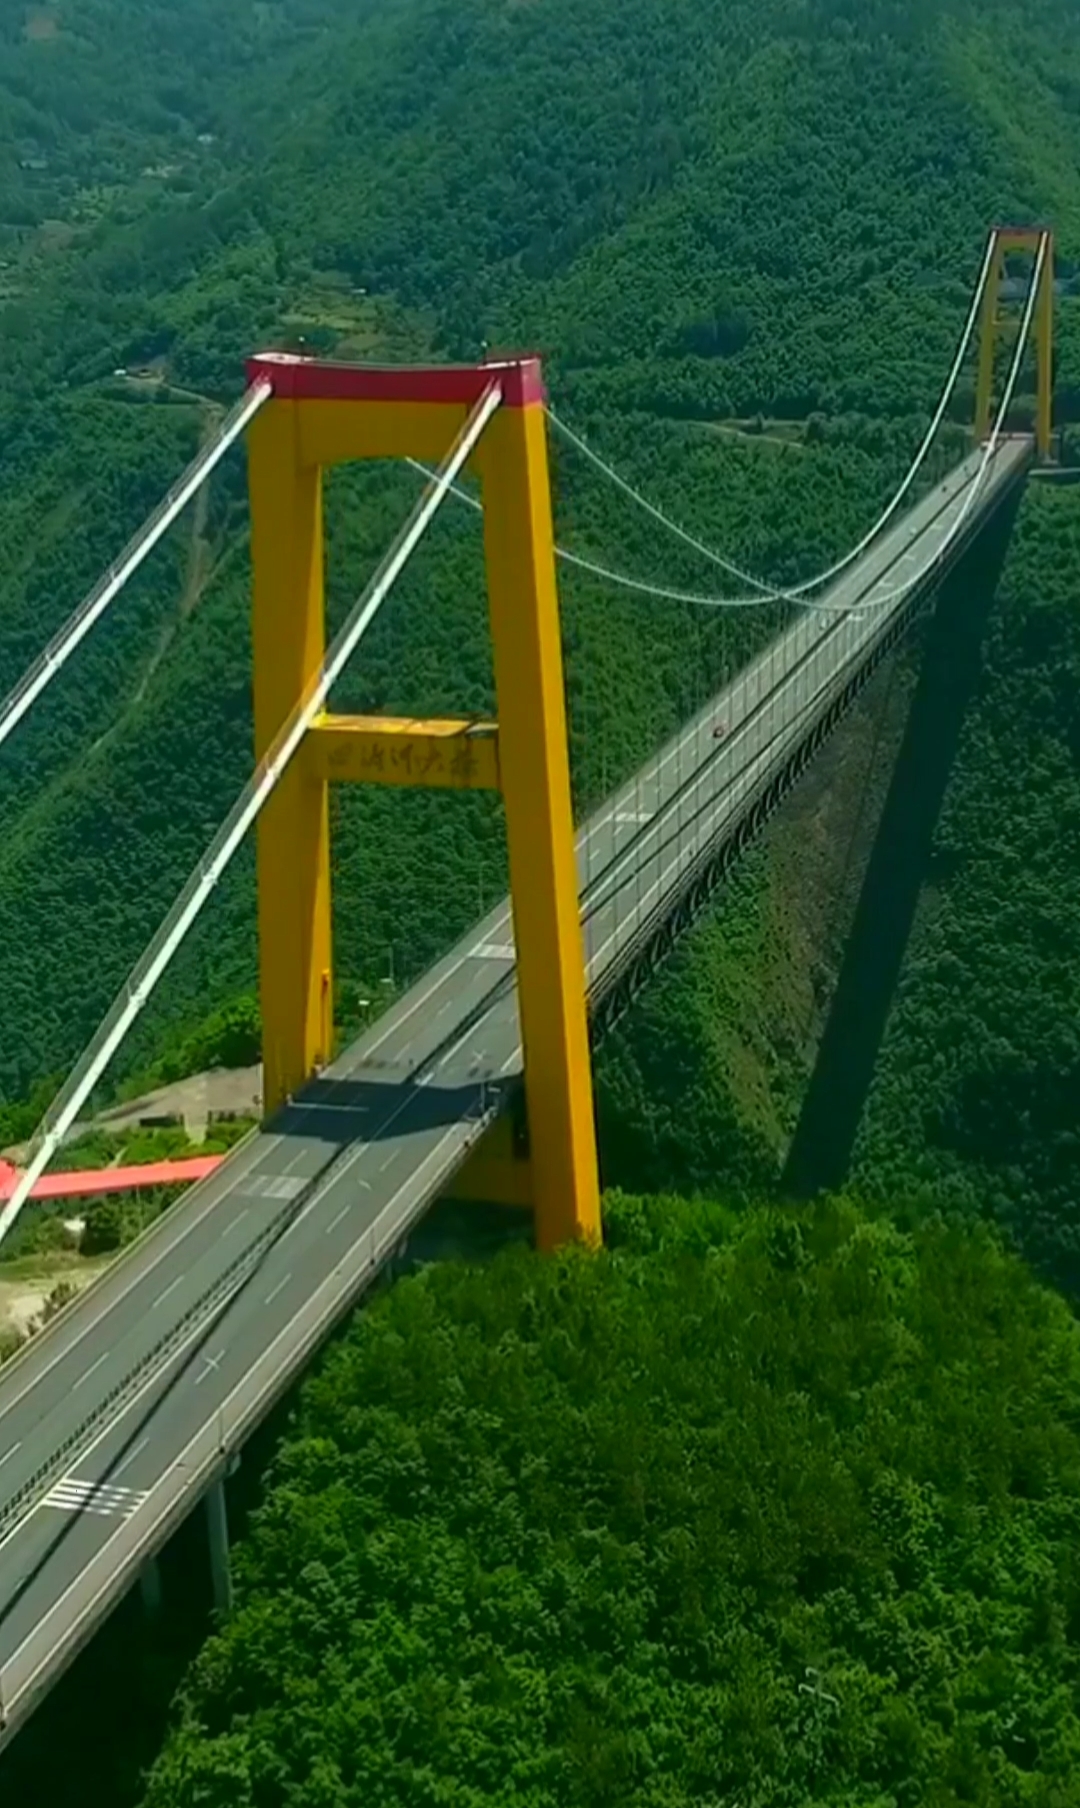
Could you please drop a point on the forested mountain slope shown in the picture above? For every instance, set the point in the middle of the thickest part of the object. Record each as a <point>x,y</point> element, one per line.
<point>695,212</point>
<point>769,1510</point>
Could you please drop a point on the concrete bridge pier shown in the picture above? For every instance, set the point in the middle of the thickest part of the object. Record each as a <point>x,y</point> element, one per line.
<point>150,1588</point>
<point>217,1526</point>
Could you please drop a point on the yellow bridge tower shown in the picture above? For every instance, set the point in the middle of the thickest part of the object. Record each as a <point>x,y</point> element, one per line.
<point>322,414</point>
<point>1005,239</point>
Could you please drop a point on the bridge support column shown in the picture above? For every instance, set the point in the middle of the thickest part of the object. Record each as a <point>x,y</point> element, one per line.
<point>150,1588</point>
<point>293,852</point>
<point>535,770</point>
<point>1044,341</point>
<point>217,1526</point>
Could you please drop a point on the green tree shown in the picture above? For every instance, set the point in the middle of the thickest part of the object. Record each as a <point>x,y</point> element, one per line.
<point>104,1231</point>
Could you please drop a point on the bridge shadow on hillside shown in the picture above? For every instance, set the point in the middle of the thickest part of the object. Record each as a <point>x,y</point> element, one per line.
<point>821,1148</point>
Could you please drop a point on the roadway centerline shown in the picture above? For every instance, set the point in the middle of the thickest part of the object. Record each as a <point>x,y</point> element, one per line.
<point>86,1374</point>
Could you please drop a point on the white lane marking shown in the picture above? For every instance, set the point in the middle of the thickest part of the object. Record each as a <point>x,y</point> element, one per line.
<point>197,1331</point>
<point>8,1454</point>
<point>272,1295</point>
<point>261,1145</point>
<point>492,951</point>
<point>86,1374</point>
<point>356,1152</point>
<point>501,923</point>
<point>151,1381</point>
<point>389,1162</point>
<point>212,1364</point>
<point>103,1498</point>
<point>831,647</point>
<point>334,1222</point>
<point>720,806</point>
<point>805,638</point>
<point>252,1150</point>
<point>171,1288</point>
<point>130,1457</point>
<point>237,1218</point>
<point>634,816</point>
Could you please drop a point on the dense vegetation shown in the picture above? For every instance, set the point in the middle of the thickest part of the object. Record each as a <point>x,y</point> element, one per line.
<point>776,1513</point>
<point>768,1510</point>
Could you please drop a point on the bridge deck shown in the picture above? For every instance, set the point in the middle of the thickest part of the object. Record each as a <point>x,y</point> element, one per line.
<point>144,1386</point>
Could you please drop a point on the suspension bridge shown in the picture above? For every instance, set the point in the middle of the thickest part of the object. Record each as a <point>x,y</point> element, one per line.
<point>130,1407</point>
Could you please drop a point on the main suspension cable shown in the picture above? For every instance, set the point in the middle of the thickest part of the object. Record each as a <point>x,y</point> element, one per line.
<point>662,592</point>
<point>109,585</point>
<point>772,591</point>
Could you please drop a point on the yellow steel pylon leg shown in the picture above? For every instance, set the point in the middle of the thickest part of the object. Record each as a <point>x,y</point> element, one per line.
<point>536,784</point>
<point>293,830</point>
<point>1006,239</point>
<point>988,345</point>
<point>1044,337</point>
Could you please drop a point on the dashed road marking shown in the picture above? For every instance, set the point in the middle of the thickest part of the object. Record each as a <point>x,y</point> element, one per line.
<point>86,1374</point>
<point>171,1288</point>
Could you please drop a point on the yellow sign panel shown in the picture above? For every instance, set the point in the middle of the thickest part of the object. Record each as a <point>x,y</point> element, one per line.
<point>402,750</point>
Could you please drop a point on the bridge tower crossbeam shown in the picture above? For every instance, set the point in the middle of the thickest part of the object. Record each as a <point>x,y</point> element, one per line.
<point>322,414</point>
<point>1006,239</point>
